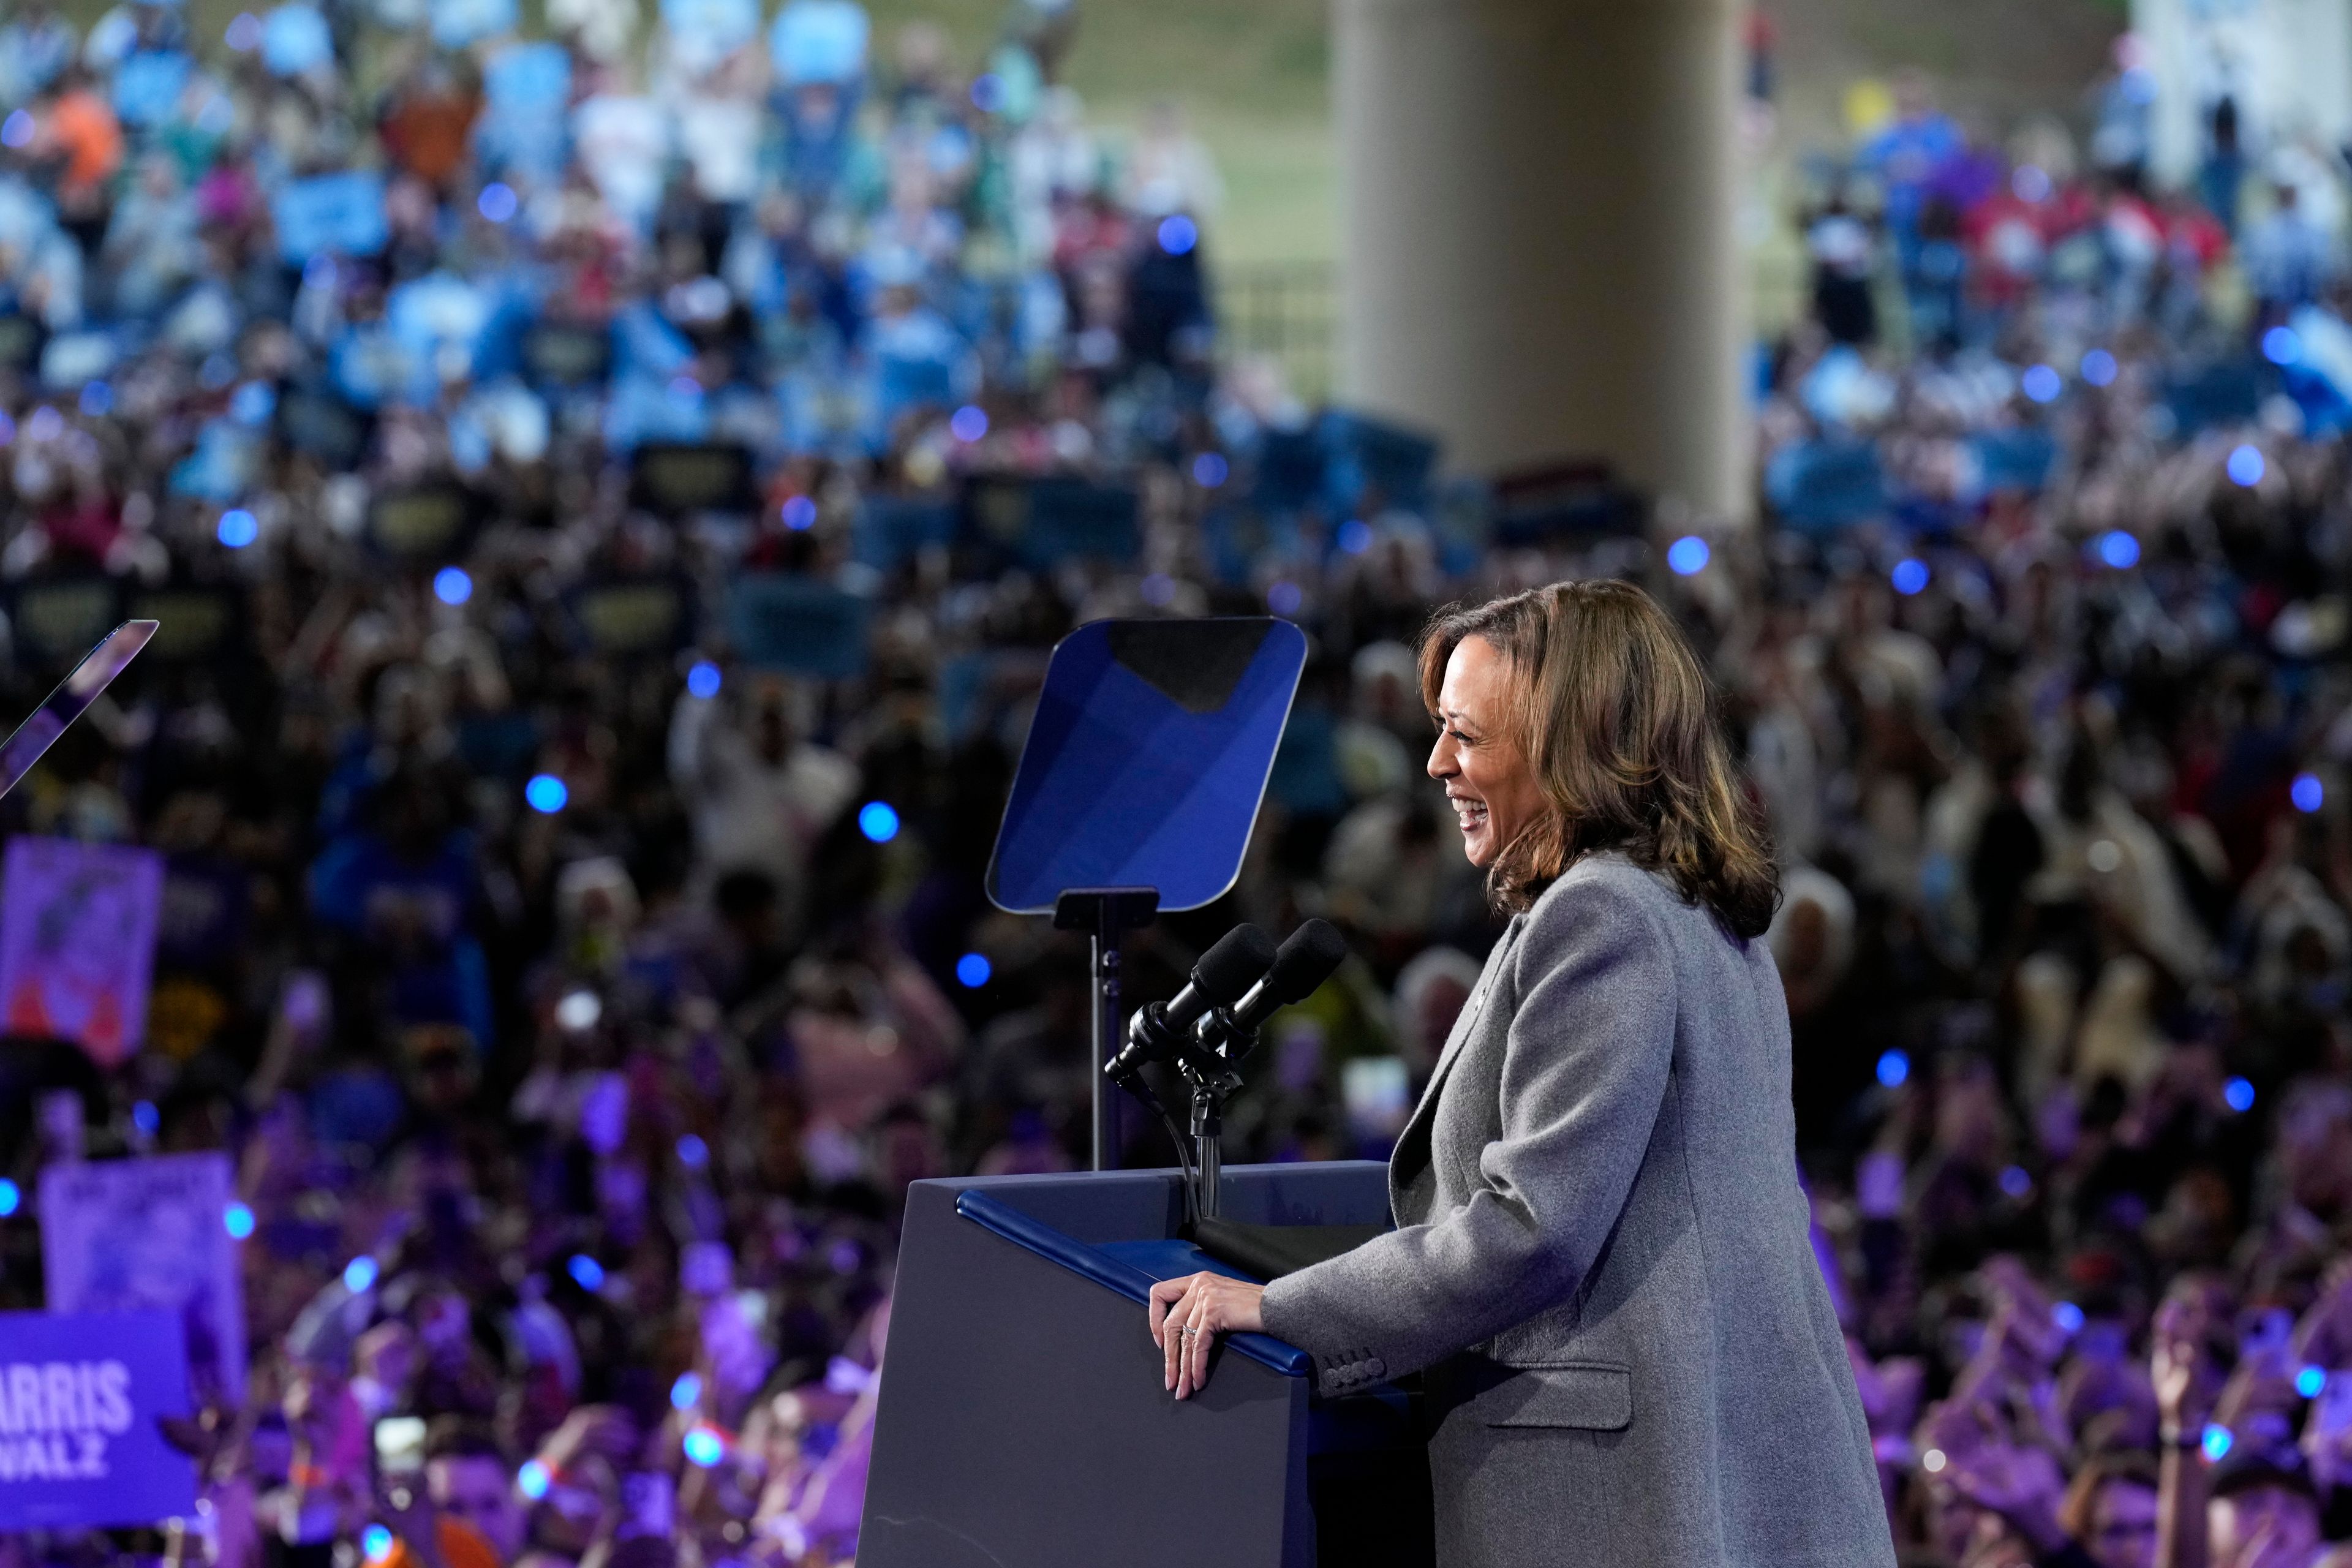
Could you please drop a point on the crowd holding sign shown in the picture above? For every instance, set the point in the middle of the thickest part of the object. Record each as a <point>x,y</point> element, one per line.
<point>77,942</point>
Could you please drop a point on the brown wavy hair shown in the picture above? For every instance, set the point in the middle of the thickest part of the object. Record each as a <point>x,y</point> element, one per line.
<point>1611,708</point>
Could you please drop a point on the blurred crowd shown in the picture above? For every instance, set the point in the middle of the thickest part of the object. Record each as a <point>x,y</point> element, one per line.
<point>578,980</point>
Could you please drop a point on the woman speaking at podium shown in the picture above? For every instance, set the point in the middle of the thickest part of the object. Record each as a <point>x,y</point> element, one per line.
<point>1601,1263</point>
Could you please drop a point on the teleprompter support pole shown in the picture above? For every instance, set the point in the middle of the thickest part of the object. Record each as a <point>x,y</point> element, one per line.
<point>1106,915</point>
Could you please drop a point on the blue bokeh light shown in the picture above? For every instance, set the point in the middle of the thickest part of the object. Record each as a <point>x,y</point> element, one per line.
<point>1283,598</point>
<point>586,1272</point>
<point>800,514</point>
<point>452,587</point>
<point>692,1152</point>
<point>2119,550</point>
<point>2216,1442</point>
<point>1178,234</point>
<point>703,680</point>
<point>547,793</point>
<point>878,821</point>
<point>237,1220</point>
<point>360,1275</point>
<point>97,398</point>
<point>1355,536</point>
<point>2281,346</point>
<point>2238,1095</point>
<point>703,1447</point>
<point>17,129</point>
<point>2068,1316</point>
<point>2015,1181</point>
<point>238,528</point>
<point>144,1117</point>
<point>2308,793</point>
<point>1894,1068</point>
<point>1688,556</point>
<point>969,423</point>
<point>1209,470</point>
<point>988,92</point>
<point>2042,384</point>
<point>243,33</point>
<point>2246,467</point>
<point>12,1197</point>
<point>497,202</point>
<point>2311,1382</point>
<point>973,971</point>
<point>533,1479</point>
<point>1909,577</point>
<point>2099,368</point>
<point>686,1392</point>
<point>376,1541</point>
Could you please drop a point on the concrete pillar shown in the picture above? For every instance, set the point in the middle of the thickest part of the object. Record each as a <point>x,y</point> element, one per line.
<point>1540,260</point>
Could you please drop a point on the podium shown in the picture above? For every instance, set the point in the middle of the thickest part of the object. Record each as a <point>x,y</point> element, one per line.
<point>1022,1423</point>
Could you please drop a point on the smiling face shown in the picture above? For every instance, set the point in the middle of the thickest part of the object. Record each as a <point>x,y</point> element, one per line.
<point>1488,780</point>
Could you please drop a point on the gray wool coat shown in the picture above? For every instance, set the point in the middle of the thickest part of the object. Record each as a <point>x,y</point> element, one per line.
<point>1602,1261</point>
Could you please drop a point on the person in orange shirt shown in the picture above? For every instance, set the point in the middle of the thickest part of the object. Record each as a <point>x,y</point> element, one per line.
<point>81,128</point>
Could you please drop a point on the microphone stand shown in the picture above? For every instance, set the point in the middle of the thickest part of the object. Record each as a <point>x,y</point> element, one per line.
<point>1214,1080</point>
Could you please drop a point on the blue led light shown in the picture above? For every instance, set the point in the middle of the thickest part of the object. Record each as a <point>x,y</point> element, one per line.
<point>2246,467</point>
<point>2042,384</point>
<point>2311,1382</point>
<point>533,1479</point>
<point>12,1197</point>
<point>144,1117</point>
<point>969,423</point>
<point>1688,556</point>
<point>97,398</point>
<point>497,202</point>
<point>253,403</point>
<point>2015,1182</point>
<point>702,1447</point>
<point>238,528</point>
<point>2281,346</point>
<point>18,128</point>
<point>546,794</point>
<point>2119,550</point>
<point>973,971</point>
<point>1209,470</point>
<point>2216,1442</point>
<point>703,680</point>
<point>1158,589</point>
<point>686,1392</point>
<point>1355,536</point>
<point>2238,1095</point>
<point>878,821</point>
<point>2068,1316</point>
<point>2099,368</point>
<point>585,1271</point>
<point>1283,598</point>
<point>1178,234</point>
<point>692,1152</point>
<point>800,514</point>
<point>237,1220</point>
<point>360,1274</point>
<point>243,33</point>
<point>2308,793</point>
<point>988,92</point>
<point>376,1541</point>
<point>452,587</point>
<point>1909,577</point>
<point>1893,1068</point>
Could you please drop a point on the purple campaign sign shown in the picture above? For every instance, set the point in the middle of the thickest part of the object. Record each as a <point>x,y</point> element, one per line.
<point>79,1394</point>
<point>77,942</point>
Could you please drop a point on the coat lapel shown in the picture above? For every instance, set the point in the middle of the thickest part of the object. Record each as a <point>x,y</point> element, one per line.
<point>1464,1023</point>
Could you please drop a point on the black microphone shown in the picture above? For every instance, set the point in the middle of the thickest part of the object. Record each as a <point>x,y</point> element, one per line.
<point>1225,973</point>
<point>1308,956</point>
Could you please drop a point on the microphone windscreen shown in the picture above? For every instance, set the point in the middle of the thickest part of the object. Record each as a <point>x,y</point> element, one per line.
<point>1308,958</point>
<point>1233,964</point>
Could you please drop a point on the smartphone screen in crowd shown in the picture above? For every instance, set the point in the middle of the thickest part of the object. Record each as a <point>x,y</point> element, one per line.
<point>400,1444</point>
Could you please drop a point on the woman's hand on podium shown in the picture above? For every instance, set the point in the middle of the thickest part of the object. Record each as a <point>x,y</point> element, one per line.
<point>1187,1316</point>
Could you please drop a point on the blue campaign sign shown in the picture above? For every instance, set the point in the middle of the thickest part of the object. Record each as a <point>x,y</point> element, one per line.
<point>1147,760</point>
<point>79,1395</point>
<point>781,621</point>
<point>340,215</point>
<point>819,40</point>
